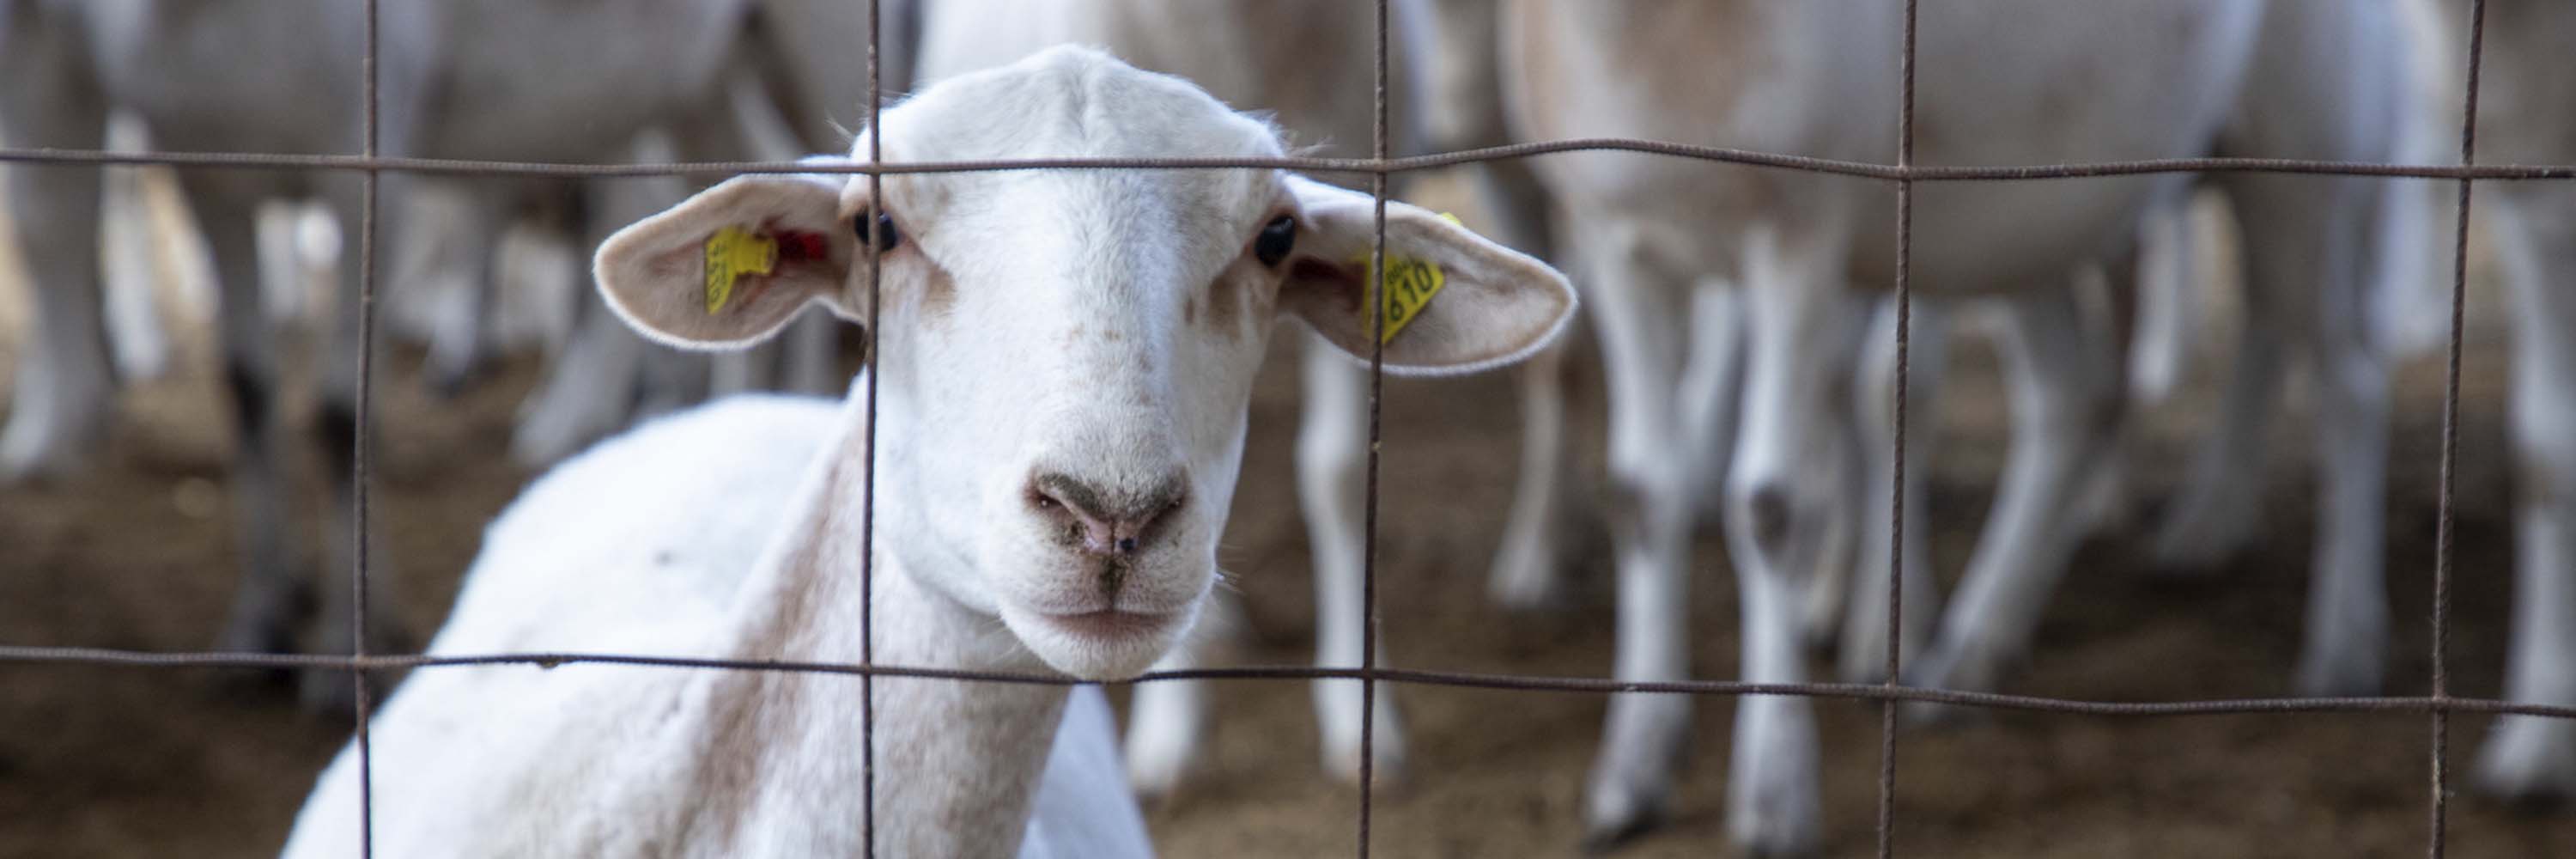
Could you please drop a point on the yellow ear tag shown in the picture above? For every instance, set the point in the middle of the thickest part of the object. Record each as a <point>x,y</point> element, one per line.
<point>1410,284</point>
<point>731,253</point>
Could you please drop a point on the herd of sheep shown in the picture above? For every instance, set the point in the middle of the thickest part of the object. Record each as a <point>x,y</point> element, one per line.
<point>1051,416</point>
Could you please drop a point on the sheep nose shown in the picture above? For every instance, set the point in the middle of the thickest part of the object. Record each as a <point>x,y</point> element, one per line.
<point>1103,520</point>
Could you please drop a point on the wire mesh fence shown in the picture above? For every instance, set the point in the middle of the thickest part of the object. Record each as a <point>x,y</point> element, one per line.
<point>2437,705</point>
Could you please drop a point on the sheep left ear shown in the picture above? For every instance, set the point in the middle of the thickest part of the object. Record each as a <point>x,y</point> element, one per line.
<point>729,267</point>
<point>1455,302</point>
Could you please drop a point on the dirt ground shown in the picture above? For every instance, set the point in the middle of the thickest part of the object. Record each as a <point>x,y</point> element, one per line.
<point>136,554</point>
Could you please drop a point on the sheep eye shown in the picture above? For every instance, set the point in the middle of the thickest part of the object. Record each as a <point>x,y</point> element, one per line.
<point>1276,240</point>
<point>886,236</point>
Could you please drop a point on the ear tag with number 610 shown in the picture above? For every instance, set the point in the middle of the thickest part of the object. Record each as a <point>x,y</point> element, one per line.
<point>1410,285</point>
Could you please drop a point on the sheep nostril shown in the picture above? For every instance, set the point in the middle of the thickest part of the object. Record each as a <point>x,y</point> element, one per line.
<point>1099,521</point>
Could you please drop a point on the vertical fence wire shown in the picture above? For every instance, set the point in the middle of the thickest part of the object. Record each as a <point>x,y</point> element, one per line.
<point>1377,387</point>
<point>1896,486</point>
<point>867,250</point>
<point>2443,529</point>
<point>360,476</point>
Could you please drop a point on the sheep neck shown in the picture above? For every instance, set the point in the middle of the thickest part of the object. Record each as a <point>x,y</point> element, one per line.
<point>956,762</point>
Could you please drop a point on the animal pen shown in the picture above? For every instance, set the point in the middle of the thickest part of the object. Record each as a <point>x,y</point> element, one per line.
<point>2436,705</point>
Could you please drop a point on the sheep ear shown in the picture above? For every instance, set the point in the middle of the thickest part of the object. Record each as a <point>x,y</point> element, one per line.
<point>1455,302</point>
<point>729,267</point>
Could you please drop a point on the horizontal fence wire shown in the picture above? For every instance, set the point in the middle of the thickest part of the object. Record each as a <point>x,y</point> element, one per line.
<point>23,655</point>
<point>1405,164</point>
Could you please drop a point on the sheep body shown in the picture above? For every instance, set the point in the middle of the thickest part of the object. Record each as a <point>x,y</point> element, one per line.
<point>617,551</point>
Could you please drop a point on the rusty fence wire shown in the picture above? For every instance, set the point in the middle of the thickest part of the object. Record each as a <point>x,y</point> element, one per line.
<point>2438,705</point>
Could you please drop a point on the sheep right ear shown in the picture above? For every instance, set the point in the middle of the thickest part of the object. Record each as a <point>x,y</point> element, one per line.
<point>729,267</point>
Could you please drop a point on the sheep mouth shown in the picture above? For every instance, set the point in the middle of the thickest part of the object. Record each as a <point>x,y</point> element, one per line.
<point>1110,624</point>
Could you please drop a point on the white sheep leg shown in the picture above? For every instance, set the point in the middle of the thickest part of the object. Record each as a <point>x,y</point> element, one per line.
<point>2347,625</point>
<point>2105,502</point>
<point>142,347</point>
<point>1527,568</point>
<point>591,388</point>
<point>267,602</point>
<point>452,239</point>
<point>461,323</point>
<point>282,263</point>
<point>1788,477</point>
<point>2530,757</point>
<point>1332,463</point>
<point>539,276</point>
<point>1824,593</point>
<point>2168,301</point>
<point>588,390</point>
<point>1862,657</point>
<point>1167,719</point>
<point>2309,250</point>
<point>1525,573</point>
<point>2216,511</point>
<point>64,389</point>
<point>1711,387</point>
<point>2063,409</point>
<point>337,427</point>
<point>1632,308</point>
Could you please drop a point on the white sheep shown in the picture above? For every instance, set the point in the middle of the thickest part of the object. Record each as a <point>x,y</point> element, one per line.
<point>282,76</point>
<point>800,52</point>
<point>2347,293</point>
<point>1667,242</point>
<point>1064,363</point>
<point>1312,67</point>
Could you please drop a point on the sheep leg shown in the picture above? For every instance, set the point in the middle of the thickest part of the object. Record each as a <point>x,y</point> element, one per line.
<point>129,273</point>
<point>1526,571</point>
<point>338,428</point>
<point>1788,477</point>
<point>2345,652</point>
<point>460,333</point>
<point>1642,735</point>
<point>2168,299</point>
<point>2065,406</point>
<point>269,602</point>
<point>1167,719</point>
<point>591,389</point>
<point>1332,446</point>
<point>2529,757</point>
<point>2216,512</point>
<point>2308,259</point>
<point>1863,655</point>
<point>65,389</point>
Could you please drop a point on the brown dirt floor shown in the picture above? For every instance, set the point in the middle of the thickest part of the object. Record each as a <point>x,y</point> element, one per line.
<point>136,554</point>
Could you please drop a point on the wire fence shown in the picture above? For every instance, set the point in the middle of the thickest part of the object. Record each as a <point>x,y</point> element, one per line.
<point>2439,704</point>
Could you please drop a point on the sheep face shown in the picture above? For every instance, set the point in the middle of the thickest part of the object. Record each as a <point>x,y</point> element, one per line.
<point>1065,357</point>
